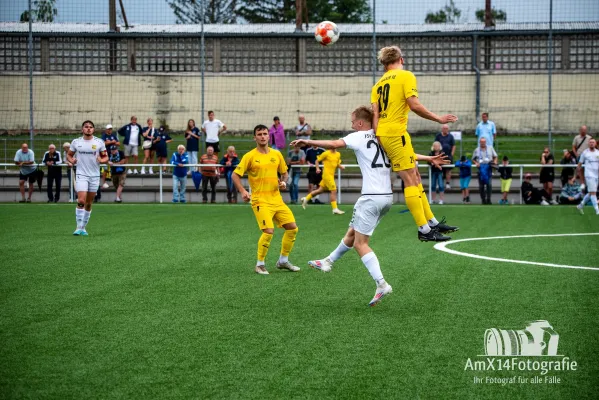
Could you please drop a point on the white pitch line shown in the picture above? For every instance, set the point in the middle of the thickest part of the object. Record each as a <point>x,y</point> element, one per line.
<point>442,246</point>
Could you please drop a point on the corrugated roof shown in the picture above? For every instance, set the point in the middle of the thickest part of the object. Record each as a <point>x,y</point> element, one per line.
<point>257,29</point>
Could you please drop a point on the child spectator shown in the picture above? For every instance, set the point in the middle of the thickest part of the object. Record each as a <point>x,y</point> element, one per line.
<point>465,167</point>
<point>437,176</point>
<point>505,174</point>
<point>532,195</point>
<point>571,192</point>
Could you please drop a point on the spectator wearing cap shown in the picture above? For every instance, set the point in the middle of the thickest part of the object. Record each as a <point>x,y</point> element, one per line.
<point>567,172</point>
<point>53,161</point>
<point>547,174</point>
<point>505,175</point>
<point>25,159</point>
<point>465,167</point>
<point>213,128</point>
<point>117,161</point>
<point>230,162</point>
<point>65,149</point>
<point>209,174</point>
<point>110,139</point>
<point>179,160</point>
<point>162,139</point>
<point>448,147</point>
<point>277,135</point>
<point>571,192</point>
<point>132,141</point>
<point>484,157</point>
<point>532,195</point>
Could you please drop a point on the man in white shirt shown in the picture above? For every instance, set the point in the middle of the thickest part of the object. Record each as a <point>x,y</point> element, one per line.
<point>212,128</point>
<point>590,159</point>
<point>86,153</point>
<point>376,199</point>
<point>25,159</point>
<point>132,141</point>
<point>303,130</point>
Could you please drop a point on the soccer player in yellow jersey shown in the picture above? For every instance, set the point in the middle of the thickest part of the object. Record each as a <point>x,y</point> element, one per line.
<point>392,98</point>
<point>331,160</point>
<point>262,166</point>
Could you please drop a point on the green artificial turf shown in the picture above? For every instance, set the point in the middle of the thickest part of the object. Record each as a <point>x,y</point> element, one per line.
<point>161,301</point>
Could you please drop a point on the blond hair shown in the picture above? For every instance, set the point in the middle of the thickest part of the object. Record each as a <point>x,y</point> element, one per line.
<point>363,113</point>
<point>436,144</point>
<point>389,55</point>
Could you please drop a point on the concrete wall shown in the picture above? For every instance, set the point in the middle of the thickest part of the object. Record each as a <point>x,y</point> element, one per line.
<point>517,102</point>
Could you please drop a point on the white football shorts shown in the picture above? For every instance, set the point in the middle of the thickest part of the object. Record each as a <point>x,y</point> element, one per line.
<point>87,183</point>
<point>592,183</point>
<point>368,212</point>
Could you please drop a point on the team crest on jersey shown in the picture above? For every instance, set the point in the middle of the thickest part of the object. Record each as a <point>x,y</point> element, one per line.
<point>273,160</point>
<point>94,147</point>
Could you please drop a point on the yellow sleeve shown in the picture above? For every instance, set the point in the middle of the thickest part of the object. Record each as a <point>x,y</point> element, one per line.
<point>323,156</point>
<point>282,164</point>
<point>243,165</point>
<point>339,160</point>
<point>410,88</point>
<point>373,96</point>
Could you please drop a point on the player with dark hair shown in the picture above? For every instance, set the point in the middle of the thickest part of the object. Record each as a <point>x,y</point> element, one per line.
<point>262,166</point>
<point>392,98</point>
<point>86,153</point>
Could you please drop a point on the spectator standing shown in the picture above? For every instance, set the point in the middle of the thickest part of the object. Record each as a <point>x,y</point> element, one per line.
<point>484,157</point>
<point>567,172</point>
<point>110,139</point>
<point>230,162</point>
<point>532,195</point>
<point>179,160</point>
<point>132,141</point>
<point>303,130</point>
<point>547,174</point>
<point>486,129</point>
<point>116,161</point>
<point>65,149</point>
<point>295,157</point>
<point>505,174</point>
<point>192,135</point>
<point>448,147</point>
<point>149,134</point>
<point>53,161</point>
<point>314,177</point>
<point>277,135</point>
<point>213,128</point>
<point>465,167</point>
<point>581,142</point>
<point>436,177</point>
<point>209,175</point>
<point>162,139</point>
<point>571,192</point>
<point>25,159</point>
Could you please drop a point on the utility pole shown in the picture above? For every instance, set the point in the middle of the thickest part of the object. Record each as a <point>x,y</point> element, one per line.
<point>112,28</point>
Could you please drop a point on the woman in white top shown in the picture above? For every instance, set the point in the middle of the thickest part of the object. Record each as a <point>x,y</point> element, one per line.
<point>149,134</point>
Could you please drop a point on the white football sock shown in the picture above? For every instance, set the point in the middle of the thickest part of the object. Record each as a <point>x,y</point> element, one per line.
<point>424,229</point>
<point>283,259</point>
<point>86,216</point>
<point>79,217</point>
<point>585,199</point>
<point>339,251</point>
<point>260,263</point>
<point>433,222</point>
<point>371,262</point>
<point>594,202</point>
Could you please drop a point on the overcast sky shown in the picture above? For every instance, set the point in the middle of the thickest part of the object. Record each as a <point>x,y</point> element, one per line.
<point>392,11</point>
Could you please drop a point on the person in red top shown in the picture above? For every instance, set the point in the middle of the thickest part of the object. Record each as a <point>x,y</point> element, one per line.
<point>209,174</point>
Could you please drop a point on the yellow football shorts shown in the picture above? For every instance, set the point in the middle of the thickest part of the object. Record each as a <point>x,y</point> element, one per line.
<point>266,215</point>
<point>506,184</point>
<point>400,151</point>
<point>328,183</point>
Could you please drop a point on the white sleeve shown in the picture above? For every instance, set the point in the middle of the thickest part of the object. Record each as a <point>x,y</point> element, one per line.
<point>581,159</point>
<point>72,148</point>
<point>102,146</point>
<point>352,141</point>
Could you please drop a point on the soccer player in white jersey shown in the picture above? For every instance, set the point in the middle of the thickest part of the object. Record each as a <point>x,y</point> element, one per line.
<point>376,199</point>
<point>590,159</point>
<point>86,153</point>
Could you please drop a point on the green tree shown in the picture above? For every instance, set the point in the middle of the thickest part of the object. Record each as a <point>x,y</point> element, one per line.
<point>496,15</point>
<point>344,11</point>
<point>215,11</point>
<point>266,11</point>
<point>42,11</point>
<point>450,14</point>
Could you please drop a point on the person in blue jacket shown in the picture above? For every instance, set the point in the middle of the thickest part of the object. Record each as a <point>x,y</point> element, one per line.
<point>179,160</point>
<point>133,137</point>
<point>162,139</point>
<point>465,167</point>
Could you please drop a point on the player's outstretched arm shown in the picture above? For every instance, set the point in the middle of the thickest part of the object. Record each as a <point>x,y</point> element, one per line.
<point>436,161</point>
<point>326,144</point>
<point>237,182</point>
<point>419,109</point>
